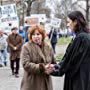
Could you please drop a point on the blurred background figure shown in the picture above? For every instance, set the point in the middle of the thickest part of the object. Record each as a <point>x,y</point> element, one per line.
<point>15,42</point>
<point>26,31</point>
<point>3,52</point>
<point>22,32</point>
<point>53,38</point>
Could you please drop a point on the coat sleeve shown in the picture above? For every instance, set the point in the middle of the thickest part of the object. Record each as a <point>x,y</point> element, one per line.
<point>19,45</point>
<point>9,43</point>
<point>74,56</point>
<point>55,33</point>
<point>27,63</point>
<point>52,56</point>
<point>49,35</point>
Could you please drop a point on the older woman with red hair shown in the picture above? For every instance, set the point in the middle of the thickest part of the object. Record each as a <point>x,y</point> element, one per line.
<point>34,56</point>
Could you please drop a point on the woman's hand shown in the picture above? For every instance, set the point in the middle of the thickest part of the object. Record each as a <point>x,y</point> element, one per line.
<point>49,68</point>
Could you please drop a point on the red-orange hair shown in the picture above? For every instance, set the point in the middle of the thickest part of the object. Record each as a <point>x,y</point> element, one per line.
<point>32,29</point>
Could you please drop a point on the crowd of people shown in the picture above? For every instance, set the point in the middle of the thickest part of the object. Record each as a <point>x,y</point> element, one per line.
<point>37,57</point>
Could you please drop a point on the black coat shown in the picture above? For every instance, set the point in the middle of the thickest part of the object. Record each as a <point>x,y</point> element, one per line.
<point>76,64</point>
<point>53,36</point>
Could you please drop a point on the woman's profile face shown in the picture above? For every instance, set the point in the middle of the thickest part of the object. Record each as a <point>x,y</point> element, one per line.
<point>71,24</point>
<point>37,37</point>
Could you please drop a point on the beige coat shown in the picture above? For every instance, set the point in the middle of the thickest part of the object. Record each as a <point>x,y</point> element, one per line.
<point>31,57</point>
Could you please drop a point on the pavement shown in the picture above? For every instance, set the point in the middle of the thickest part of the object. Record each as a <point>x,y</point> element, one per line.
<point>10,82</point>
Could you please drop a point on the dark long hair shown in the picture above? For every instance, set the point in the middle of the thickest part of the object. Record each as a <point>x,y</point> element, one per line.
<point>81,22</point>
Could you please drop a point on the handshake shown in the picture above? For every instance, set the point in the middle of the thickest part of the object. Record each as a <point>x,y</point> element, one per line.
<point>50,68</point>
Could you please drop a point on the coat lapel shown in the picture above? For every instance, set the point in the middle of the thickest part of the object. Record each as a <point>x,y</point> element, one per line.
<point>41,54</point>
<point>38,49</point>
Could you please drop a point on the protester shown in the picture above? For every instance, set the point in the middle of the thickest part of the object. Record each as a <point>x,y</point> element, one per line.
<point>35,54</point>
<point>22,32</point>
<point>3,52</point>
<point>15,42</point>
<point>53,38</point>
<point>76,62</point>
<point>26,27</point>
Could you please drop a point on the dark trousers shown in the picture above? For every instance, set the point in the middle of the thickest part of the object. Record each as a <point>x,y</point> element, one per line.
<point>15,65</point>
<point>53,46</point>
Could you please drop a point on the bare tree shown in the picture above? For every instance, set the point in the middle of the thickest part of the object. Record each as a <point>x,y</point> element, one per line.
<point>88,12</point>
<point>0,2</point>
<point>29,2</point>
<point>61,9</point>
<point>38,7</point>
<point>86,9</point>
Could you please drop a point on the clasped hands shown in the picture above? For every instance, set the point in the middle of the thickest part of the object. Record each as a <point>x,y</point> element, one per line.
<point>49,68</point>
<point>15,48</point>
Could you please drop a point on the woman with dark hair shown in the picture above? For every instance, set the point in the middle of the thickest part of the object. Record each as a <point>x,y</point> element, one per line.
<point>35,54</point>
<point>77,17</point>
<point>76,62</point>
